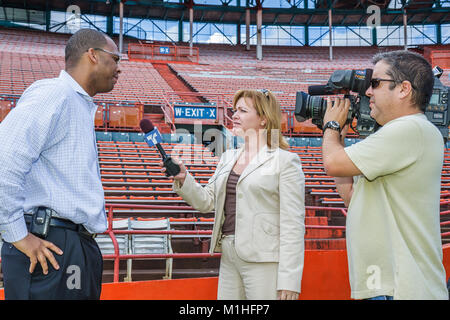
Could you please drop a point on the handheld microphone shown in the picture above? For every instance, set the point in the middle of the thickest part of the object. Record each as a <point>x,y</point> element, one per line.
<point>153,138</point>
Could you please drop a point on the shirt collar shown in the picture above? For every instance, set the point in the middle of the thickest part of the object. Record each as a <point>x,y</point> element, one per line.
<point>67,78</point>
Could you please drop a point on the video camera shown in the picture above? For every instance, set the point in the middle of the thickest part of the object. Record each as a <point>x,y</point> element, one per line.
<point>311,106</point>
<point>437,110</point>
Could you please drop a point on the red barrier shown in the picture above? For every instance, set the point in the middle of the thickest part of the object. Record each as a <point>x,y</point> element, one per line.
<point>319,282</point>
<point>325,277</point>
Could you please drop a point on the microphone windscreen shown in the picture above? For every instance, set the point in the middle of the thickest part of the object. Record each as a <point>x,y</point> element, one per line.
<point>146,125</point>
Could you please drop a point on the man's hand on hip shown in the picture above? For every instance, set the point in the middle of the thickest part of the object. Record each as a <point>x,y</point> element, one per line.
<point>38,250</point>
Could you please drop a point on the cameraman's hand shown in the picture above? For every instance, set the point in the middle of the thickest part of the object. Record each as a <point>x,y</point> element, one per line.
<point>338,111</point>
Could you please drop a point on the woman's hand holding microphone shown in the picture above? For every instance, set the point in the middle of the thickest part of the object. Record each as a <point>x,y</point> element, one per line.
<point>180,176</point>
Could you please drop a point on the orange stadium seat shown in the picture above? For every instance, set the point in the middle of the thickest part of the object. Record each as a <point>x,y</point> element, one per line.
<point>115,188</point>
<point>140,188</point>
<point>5,107</point>
<point>284,122</point>
<point>99,118</point>
<point>138,180</point>
<point>141,198</point>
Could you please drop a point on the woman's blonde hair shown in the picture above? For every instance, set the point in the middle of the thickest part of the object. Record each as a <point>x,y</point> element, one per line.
<point>267,106</point>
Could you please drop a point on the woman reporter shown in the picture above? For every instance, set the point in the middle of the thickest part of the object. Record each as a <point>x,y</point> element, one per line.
<point>257,192</point>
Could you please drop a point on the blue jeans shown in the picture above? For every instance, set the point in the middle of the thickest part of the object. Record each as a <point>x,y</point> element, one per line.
<point>381,298</point>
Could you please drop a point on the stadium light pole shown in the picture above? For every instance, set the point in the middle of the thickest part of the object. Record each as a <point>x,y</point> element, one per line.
<point>121,27</point>
<point>405,28</point>
<point>258,30</point>
<point>259,34</point>
<point>247,29</point>
<point>190,5</point>
<point>330,27</point>
<point>191,27</point>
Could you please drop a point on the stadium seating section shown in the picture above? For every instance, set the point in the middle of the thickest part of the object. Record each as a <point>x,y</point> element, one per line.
<point>130,170</point>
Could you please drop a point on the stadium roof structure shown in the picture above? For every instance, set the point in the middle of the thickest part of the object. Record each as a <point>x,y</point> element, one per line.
<point>345,12</point>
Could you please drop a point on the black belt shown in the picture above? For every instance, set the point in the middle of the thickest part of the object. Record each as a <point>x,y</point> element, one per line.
<point>67,224</point>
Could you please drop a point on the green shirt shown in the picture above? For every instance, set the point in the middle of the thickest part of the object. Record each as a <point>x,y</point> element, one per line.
<point>393,222</point>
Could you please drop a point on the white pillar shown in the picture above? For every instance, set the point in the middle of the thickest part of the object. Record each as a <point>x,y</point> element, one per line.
<point>330,27</point>
<point>247,29</point>
<point>121,27</point>
<point>191,28</point>
<point>259,34</point>
<point>405,29</point>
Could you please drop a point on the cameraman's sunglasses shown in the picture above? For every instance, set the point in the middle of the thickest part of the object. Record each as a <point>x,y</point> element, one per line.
<point>375,82</point>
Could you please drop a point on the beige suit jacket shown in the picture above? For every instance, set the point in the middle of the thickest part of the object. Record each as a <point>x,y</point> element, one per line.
<point>270,210</point>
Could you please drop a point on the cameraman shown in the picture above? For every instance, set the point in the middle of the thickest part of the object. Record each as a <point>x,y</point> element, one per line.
<point>390,182</point>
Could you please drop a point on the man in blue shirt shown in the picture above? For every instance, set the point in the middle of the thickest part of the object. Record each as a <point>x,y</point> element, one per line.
<point>49,163</point>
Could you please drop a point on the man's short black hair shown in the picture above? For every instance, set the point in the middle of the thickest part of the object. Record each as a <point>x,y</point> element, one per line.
<point>80,42</point>
<point>411,66</point>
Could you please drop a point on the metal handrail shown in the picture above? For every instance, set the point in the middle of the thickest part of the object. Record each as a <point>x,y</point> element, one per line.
<point>117,256</point>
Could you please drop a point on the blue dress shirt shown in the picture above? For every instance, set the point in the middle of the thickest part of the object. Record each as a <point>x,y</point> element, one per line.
<point>48,157</point>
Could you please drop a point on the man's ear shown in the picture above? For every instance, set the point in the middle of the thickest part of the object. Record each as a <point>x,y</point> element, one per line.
<point>92,55</point>
<point>405,89</point>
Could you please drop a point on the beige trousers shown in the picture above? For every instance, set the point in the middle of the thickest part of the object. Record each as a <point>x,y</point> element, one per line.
<point>240,280</point>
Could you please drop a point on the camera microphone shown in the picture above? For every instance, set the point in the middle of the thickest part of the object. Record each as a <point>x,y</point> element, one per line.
<point>319,90</point>
<point>153,138</point>
<point>323,90</point>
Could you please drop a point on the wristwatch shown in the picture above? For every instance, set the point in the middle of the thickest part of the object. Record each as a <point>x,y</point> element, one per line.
<point>332,125</point>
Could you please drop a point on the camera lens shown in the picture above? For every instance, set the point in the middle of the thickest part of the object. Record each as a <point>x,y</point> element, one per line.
<point>307,107</point>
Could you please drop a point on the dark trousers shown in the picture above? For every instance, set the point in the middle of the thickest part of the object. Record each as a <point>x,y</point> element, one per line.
<point>79,276</point>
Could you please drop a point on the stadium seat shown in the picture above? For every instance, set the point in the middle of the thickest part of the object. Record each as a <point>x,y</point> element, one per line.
<point>99,117</point>
<point>105,243</point>
<point>5,107</point>
<point>146,244</point>
<point>301,142</point>
<point>182,138</point>
<point>315,142</point>
<point>290,141</point>
<point>284,122</point>
<point>132,117</point>
<point>152,244</point>
<point>120,136</point>
<point>136,136</point>
<point>349,141</point>
<point>116,117</point>
<point>103,136</point>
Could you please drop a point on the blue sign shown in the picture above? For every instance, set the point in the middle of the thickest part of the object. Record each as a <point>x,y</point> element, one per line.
<point>195,112</point>
<point>153,137</point>
<point>164,50</point>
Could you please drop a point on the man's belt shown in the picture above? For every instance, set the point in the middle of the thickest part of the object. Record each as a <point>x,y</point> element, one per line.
<point>66,224</point>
